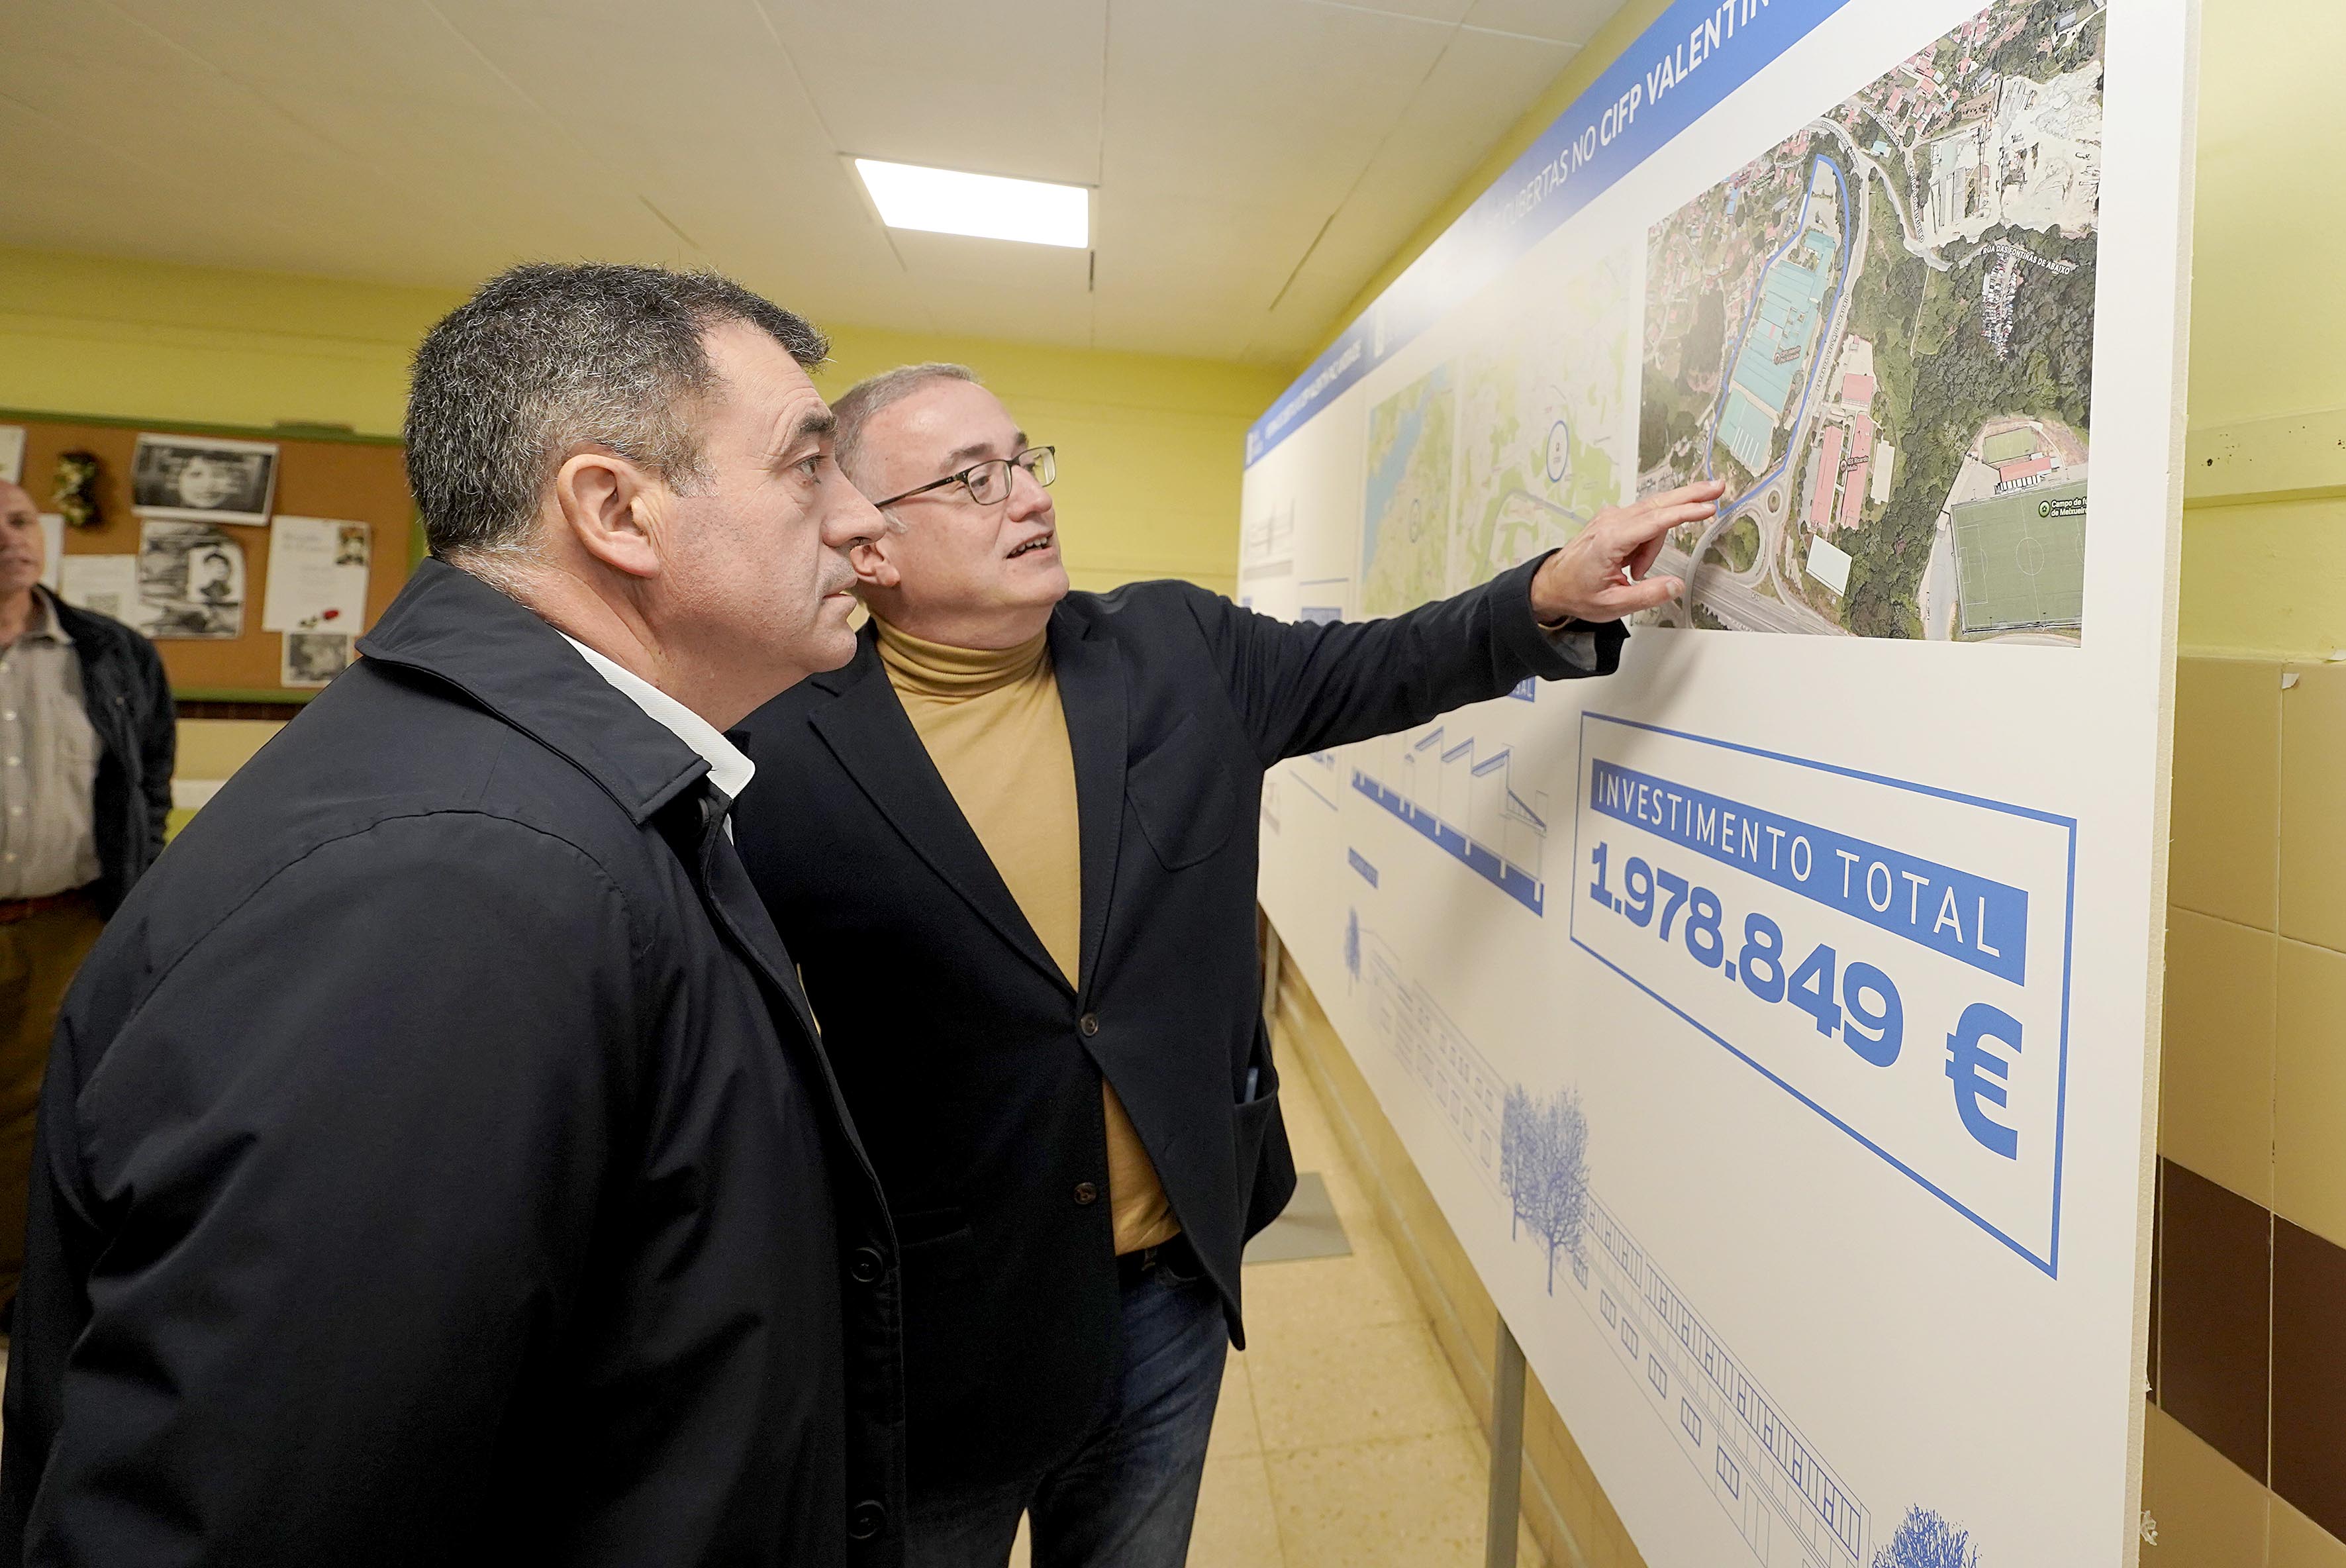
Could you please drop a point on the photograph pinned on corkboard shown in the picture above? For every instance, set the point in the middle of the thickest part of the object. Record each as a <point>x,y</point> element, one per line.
<point>317,577</point>
<point>191,581</point>
<point>11,453</point>
<point>205,479</point>
<point>314,658</point>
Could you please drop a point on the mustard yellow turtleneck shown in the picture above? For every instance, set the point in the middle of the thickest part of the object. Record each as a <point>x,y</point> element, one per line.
<point>992,722</point>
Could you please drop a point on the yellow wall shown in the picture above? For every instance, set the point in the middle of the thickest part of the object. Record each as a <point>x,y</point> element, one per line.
<point>1148,445</point>
<point>2264,574</point>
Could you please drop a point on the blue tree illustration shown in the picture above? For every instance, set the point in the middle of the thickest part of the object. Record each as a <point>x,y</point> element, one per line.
<point>1353,942</point>
<point>1925,1540</point>
<point>1544,1168</point>
<point>1514,1152</point>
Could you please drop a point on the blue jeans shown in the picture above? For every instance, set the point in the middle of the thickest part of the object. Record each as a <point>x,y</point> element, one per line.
<point>1128,1495</point>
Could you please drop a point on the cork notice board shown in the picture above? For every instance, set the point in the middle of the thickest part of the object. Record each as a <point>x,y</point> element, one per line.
<point>354,479</point>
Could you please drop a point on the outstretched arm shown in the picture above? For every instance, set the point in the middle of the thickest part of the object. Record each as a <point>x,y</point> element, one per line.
<point>1303,687</point>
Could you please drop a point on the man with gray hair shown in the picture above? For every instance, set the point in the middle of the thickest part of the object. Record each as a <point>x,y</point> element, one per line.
<point>437,1163</point>
<point>1043,805</point>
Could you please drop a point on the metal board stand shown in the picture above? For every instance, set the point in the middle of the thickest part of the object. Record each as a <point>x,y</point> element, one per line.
<point>1506,1449</point>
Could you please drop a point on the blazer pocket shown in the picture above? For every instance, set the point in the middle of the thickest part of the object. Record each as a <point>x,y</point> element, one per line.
<point>1250,1119</point>
<point>1184,796</point>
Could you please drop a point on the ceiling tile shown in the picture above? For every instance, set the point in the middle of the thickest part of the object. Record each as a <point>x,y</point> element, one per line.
<point>432,141</point>
<point>1558,21</point>
<point>1448,13</point>
<point>1471,99</point>
<point>1011,87</point>
<point>1190,275</point>
<point>1281,101</point>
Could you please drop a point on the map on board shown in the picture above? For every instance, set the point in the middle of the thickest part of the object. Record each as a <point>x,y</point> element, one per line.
<point>1539,407</point>
<point>1880,334</point>
<point>1405,549</point>
<point>1523,424</point>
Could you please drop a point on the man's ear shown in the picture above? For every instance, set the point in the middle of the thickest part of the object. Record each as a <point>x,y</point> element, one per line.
<point>610,506</point>
<point>874,559</point>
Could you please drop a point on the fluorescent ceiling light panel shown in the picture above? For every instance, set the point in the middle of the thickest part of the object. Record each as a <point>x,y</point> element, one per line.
<point>942,202</point>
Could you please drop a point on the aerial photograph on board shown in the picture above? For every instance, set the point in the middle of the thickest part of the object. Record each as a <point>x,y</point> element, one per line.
<point>1406,524</point>
<point>1505,451</point>
<point>1880,334</point>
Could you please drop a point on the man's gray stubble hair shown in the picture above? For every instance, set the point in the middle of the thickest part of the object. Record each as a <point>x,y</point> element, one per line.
<point>546,359</point>
<point>856,406</point>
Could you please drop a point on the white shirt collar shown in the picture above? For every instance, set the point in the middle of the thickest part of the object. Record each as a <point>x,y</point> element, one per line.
<point>729,769</point>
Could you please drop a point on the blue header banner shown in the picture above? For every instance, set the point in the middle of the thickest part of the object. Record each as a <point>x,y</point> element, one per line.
<point>1972,918</point>
<point>1679,70</point>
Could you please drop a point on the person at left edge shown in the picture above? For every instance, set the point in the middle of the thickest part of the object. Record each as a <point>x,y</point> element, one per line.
<point>436,1164</point>
<point>87,738</point>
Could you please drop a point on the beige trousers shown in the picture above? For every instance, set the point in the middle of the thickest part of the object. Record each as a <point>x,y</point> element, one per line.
<point>38,956</point>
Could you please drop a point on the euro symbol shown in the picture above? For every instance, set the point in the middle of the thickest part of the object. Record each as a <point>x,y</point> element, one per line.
<point>1978,1074</point>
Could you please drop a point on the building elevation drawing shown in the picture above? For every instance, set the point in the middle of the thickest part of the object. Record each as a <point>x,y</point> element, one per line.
<point>1787,1502</point>
<point>1465,801</point>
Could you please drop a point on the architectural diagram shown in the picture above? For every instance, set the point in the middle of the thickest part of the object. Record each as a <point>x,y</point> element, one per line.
<point>1465,803</point>
<point>1787,1502</point>
<point>1845,328</point>
<point>1267,544</point>
<point>1539,406</point>
<point>1321,599</point>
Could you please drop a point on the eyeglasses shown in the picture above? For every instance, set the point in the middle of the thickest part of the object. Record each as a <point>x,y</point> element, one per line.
<point>988,483</point>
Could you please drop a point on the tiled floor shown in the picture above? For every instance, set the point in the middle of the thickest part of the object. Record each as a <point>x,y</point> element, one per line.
<point>1342,1438</point>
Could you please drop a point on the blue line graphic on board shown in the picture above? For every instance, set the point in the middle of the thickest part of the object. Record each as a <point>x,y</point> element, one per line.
<point>1686,63</point>
<point>1317,775</point>
<point>1786,1502</point>
<point>1466,803</point>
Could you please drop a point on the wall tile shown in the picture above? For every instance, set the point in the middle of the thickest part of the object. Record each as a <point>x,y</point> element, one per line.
<point>2215,1346</point>
<point>2216,1072</point>
<point>2310,1090</point>
<point>2312,826</point>
<point>2308,1416</point>
<point>2228,715</point>
<point>2299,1543</point>
<point>2209,1514</point>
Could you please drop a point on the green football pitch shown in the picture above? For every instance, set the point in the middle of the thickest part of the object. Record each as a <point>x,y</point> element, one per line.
<point>2020,560</point>
<point>2011,443</point>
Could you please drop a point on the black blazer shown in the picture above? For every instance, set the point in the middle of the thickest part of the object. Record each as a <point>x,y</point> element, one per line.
<point>973,1069</point>
<point>436,1167</point>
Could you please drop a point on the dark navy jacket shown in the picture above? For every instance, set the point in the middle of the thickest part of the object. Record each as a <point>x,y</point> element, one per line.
<point>128,700</point>
<point>436,1164</point>
<point>974,1067</point>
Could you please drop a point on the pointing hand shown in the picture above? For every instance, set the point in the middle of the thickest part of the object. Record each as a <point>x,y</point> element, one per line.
<point>1601,575</point>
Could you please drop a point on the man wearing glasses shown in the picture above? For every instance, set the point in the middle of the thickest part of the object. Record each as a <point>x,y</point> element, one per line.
<point>1035,810</point>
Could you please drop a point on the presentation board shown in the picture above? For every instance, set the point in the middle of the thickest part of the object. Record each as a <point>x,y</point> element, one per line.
<point>1775,1020</point>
